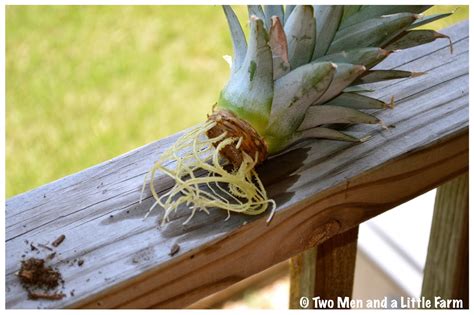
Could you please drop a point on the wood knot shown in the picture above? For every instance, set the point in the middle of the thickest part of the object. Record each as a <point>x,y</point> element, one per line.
<point>324,232</point>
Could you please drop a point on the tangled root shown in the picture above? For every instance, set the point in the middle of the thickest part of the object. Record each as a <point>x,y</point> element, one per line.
<point>204,181</point>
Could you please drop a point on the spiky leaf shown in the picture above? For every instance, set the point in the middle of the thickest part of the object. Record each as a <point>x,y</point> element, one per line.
<point>323,133</point>
<point>249,91</point>
<point>329,114</point>
<point>357,89</point>
<point>288,10</point>
<point>428,19</point>
<point>273,10</point>
<point>279,46</point>
<point>357,101</point>
<point>238,38</point>
<point>294,93</point>
<point>414,38</point>
<point>350,10</point>
<point>257,11</point>
<point>373,76</point>
<point>344,76</point>
<point>328,18</point>
<point>372,33</point>
<point>367,57</point>
<point>367,12</point>
<point>300,29</point>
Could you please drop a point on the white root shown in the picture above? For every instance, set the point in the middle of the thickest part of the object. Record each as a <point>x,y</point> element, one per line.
<point>236,190</point>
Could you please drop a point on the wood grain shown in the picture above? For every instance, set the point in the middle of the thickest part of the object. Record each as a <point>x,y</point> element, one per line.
<point>322,188</point>
<point>446,271</point>
<point>326,271</point>
<point>335,266</point>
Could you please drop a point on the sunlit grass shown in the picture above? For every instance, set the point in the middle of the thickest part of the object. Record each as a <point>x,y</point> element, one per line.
<point>461,12</point>
<point>87,83</point>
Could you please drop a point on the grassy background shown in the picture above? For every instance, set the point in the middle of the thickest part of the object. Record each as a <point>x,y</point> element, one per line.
<point>87,83</point>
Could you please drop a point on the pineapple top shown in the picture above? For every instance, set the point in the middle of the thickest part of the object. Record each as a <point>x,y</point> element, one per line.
<point>299,57</point>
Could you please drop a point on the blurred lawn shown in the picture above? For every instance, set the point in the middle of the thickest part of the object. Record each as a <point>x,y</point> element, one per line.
<point>87,83</point>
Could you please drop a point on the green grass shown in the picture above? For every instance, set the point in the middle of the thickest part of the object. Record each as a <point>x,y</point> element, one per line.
<point>461,12</point>
<point>87,83</point>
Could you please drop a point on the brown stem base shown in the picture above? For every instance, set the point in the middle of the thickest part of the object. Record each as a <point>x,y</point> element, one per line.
<point>252,143</point>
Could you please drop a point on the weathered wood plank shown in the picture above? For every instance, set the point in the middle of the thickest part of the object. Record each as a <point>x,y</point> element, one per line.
<point>322,188</point>
<point>326,271</point>
<point>446,272</point>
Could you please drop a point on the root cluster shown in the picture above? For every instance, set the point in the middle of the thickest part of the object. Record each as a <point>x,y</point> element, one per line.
<point>205,180</point>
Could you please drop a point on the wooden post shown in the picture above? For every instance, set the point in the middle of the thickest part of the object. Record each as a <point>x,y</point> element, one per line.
<point>447,263</point>
<point>302,271</point>
<point>326,271</point>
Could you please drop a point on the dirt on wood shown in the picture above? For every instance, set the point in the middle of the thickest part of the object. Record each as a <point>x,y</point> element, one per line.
<point>174,249</point>
<point>45,296</point>
<point>59,240</point>
<point>38,277</point>
<point>39,280</point>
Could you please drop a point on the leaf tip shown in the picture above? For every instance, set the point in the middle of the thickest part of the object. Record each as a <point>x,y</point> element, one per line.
<point>418,16</point>
<point>439,35</point>
<point>275,21</point>
<point>417,74</point>
<point>382,124</point>
<point>360,68</point>
<point>364,139</point>
<point>254,18</point>
<point>391,105</point>
<point>385,52</point>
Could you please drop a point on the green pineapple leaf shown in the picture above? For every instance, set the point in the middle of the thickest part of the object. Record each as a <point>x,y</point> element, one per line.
<point>300,29</point>
<point>273,10</point>
<point>258,12</point>
<point>279,47</point>
<point>372,76</point>
<point>249,91</point>
<point>415,38</point>
<point>345,74</point>
<point>323,133</point>
<point>238,38</point>
<point>288,10</point>
<point>357,101</point>
<point>328,18</point>
<point>372,33</point>
<point>428,19</point>
<point>367,57</point>
<point>349,10</point>
<point>331,114</point>
<point>357,89</point>
<point>367,12</point>
<point>294,93</point>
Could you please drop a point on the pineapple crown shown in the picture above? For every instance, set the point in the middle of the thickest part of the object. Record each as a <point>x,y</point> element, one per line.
<point>303,56</point>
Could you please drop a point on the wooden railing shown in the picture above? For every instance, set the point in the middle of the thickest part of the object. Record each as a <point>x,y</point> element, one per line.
<point>323,190</point>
